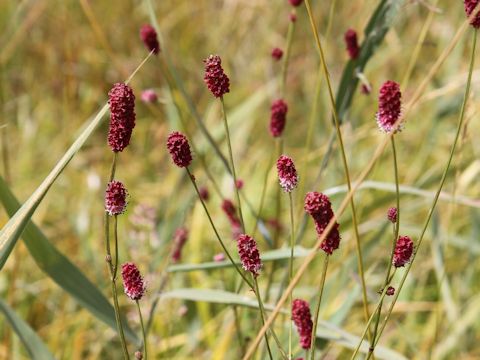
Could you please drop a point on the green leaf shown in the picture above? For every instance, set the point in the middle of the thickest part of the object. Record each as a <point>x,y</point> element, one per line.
<point>379,24</point>
<point>326,330</point>
<point>34,345</point>
<point>12,230</point>
<point>278,254</point>
<point>61,270</point>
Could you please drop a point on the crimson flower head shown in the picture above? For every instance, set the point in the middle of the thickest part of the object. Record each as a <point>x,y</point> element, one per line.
<point>389,106</point>
<point>392,214</point>
<point>390,291</point>
<point>292,16</point>
<point>179,239</point>
<point>204,193</point>
<point>287,173</point>
<point>215,78</point>
<point>122,116</point>
<point>277,53</point>
<point>115,198</point>
<point>403,251</point>
<point>303,321</point>
<point>149,96</point>
<point>352,43</point>
<point>229,209</point>
<point>249,255</point>
<point>149,38</point>
<point>295,2</point>
<point>278,117</point>
<point>469,7</point>
<point>179,149</point>
<point>132,281</point>
<point>318,205</point>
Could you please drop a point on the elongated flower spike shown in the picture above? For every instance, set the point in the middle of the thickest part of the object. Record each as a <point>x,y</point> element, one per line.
<point>179,149</point>
<point>132,281</point>
<point>115,198</point>
<point>249,254</point>
<point>287,173</point>
<point>149,38</point>
<point>389,107</point>
<point>352,43</point>
<point>122,116</point>
<point>215,78</point>
<point>403,251</point>
<point>469,7</point>
<point>179,239</point>
<point>278,117</point>
<point>392,214</point>
<point>302,319</point>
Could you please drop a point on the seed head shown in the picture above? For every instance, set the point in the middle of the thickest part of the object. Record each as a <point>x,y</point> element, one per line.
<point>389,106</point>
<point>179,239</point>
<point>303,321</point>
<point>215,78</point>
<point>149,96</point>
<point>122,116</point>
<point>293,17</point>
<point>295,2</point>
<point>204,194</point>
<point>352,43</point>
<point>469,7</point>
<point>239,184</point>
<point>278,117</point>
<point>149,38</point>
<point>277,53</point>
<point>115,198</point>
<point>392,214</point>
<point>229,209</point>
<point>403,251</point>
<point>390,291</point>
<point>132,281</point>
<point>287,174</point>
<point>249,255</point>
<point>179,149</point>
<point>318,205</point>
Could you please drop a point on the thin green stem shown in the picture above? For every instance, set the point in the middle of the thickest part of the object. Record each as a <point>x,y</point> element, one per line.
<point>317,310</point>
<point>292,245</point>
<point>190,176</point>
<point>344,159</point>
<point>145,354</point>
<point>442,182</point>
<point>262,314</point>
<point>232,164</point>
<point>395,238</point>
<point>286,58</point>
<point>262,197</point>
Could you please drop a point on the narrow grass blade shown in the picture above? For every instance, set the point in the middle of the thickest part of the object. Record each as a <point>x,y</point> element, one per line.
<point>61,270</point>
<point>34,345</point>
<point>377,28</point>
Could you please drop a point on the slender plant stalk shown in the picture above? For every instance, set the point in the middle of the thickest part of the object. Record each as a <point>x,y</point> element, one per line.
<point>395,238</point>
<point>262,197</point>
<point>145,354</point>
<point>232,164</point>
<point>190,176</point>
<point>291,30</point>
<point>292,245</point>
<point>113,268</point>
<point>317,310</point>
<point>262,314</point>
<point>442,182</point>
<point>344,160</point>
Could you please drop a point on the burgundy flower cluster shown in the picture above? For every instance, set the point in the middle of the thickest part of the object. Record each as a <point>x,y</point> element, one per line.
<point>403,251</point>
<point>277,53</point>
<point>469,7</point>
<point>249,254</point>
<point>392,214</point>
<point>179,149</point>
<point>295,2</point>
<point>179,239</point>
<point>278,117</point>
<point>352,43</point>
<point>287,173</point>
<point>122,116</point>
<point>215,78</point>
<point>149,38</point>
<point>132,281</point>
<point>303,321</point>
<point>115,198</point>
<point>389,106</point>
<point>229,209</point>
<point>319,207</point>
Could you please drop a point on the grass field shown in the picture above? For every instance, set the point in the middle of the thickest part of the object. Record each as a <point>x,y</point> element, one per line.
<point>58,61</point>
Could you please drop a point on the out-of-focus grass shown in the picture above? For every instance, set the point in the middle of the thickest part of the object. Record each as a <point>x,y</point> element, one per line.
<point>59,58</point>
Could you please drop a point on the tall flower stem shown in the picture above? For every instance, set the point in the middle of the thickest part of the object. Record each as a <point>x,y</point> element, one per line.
<point>113,268</point>
<point>292,244</point>
<point>442,182</point>
<point>286,58</point>
<point>395,237</point>
<point>192,179</point>
<point>317,310</point>
<point>344,160</point>
<point>262,314</point>
<point>145,355</point>
<point>232,164</point>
